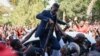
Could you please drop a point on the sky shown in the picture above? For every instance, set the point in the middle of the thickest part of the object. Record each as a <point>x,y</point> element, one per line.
<point>5,3</point>
<point>51,2</point>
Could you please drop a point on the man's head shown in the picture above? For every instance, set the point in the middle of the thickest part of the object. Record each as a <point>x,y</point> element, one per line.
<point>16,44</point>
<point>81,23</point>
<point>80,37</point>
<point>54,8</point>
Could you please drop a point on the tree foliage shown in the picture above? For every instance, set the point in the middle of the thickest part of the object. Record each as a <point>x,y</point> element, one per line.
<point>74,7</point>
<point>25,11</point>
<point>96,10</point>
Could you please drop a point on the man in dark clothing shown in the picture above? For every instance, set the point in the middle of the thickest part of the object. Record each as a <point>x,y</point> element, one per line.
<point>17,46</point>
<point>48,17</point>
<point>83,43</point>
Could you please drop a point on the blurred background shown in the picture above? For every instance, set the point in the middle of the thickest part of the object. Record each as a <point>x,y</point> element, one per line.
<point>23,12</point>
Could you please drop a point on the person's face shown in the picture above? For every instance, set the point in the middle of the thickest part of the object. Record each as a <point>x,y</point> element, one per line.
<point>81,23</point>
<point>54,9</point>
<point>86,23</point>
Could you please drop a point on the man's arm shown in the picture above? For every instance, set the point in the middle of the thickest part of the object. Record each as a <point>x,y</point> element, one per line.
<point>98,32</point>
<point>29,35</point>
<point>42,16</point>
<point>61,22</point>
<point>66,37</point>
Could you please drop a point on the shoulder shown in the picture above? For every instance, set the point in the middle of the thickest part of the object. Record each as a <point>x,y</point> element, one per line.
<point>46,11</point>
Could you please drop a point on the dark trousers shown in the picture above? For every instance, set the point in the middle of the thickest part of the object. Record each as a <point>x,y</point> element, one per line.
<point>52,40</point>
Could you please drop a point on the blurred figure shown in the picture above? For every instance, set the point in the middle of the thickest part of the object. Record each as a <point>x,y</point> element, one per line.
<point>83,43</point>
<point>83,27</point>
<point>96,48</point>
<point>5,50</point>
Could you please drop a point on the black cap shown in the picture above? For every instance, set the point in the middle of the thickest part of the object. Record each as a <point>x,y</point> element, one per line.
<point>80,36</point>
<point>56,5</point>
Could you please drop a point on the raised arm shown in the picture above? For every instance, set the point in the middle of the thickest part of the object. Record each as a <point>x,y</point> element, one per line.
<point>61,22</point>
<point>29,35</point>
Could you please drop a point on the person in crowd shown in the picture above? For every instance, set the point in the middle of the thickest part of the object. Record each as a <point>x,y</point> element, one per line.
<point>80,40</point>
<point>83,27</point>
<point>17,46</point>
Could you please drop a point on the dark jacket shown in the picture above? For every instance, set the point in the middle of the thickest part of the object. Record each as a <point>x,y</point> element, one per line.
<point>44,17</point>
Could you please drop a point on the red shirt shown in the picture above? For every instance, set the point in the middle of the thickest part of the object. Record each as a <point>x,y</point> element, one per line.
<point>83,29</point>
<point>6,51</point>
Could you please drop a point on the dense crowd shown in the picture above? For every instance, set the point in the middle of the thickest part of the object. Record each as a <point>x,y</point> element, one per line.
<point>10,36</point>
<point>85,26</point>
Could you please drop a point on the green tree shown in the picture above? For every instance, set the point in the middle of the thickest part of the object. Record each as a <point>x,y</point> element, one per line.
<point>74,8</point>
<point>26,9</point>
<point>96,11</point>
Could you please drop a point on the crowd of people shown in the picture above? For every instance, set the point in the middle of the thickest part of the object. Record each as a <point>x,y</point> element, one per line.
<point>85,26</point>
<point>9,36</point>
<point>11,43</point>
